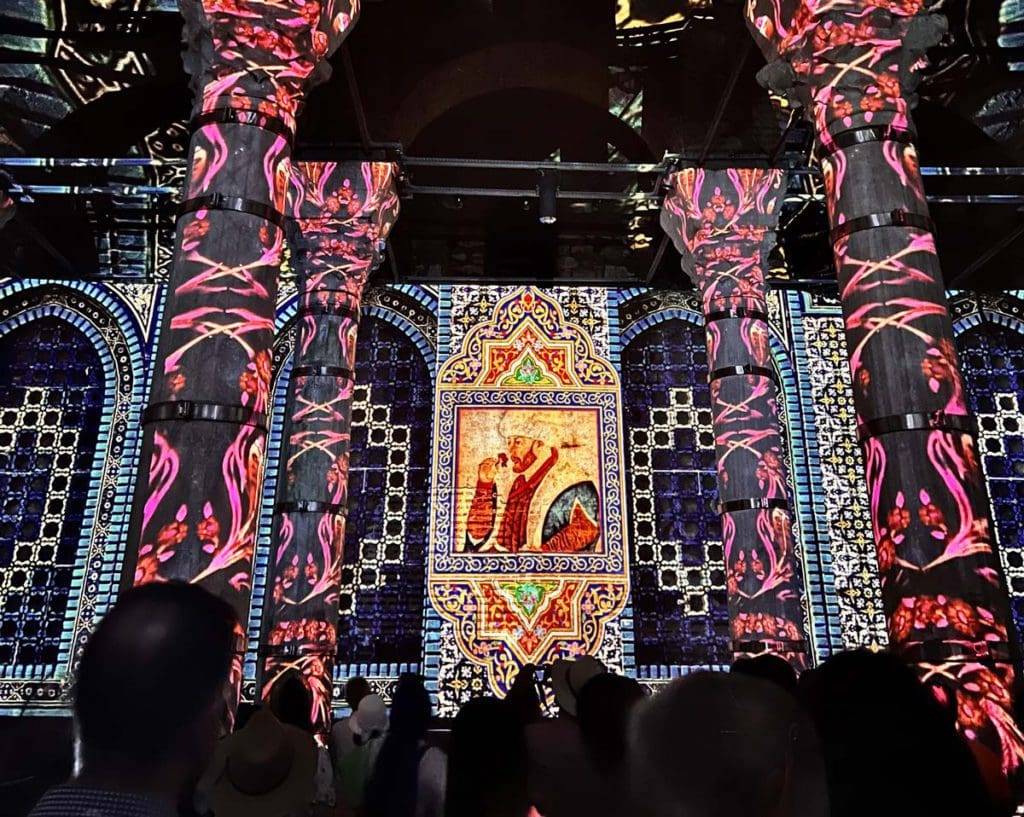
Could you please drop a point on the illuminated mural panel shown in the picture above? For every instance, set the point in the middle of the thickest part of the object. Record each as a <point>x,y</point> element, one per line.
<point>527,552</point>
<point>468,610</point>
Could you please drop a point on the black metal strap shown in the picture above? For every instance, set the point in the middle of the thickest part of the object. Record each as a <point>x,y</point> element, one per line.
<point>758,503</point>
<point>323,371</point>
<point>328,309</point>
<point>189,410</point>
<point>309,506</point>
<point>235,116</point>
<point>218,201</point>
<point>735,312</point>
<point>770,646</point>
<point>861,136</point>
<point>747,368</point>
<point>915,422</point>
<point>938,652</point>
<point>894,218</point>
<point>295,647</point>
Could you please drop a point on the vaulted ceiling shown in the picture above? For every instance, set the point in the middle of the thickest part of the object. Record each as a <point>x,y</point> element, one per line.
<point>534,80</point>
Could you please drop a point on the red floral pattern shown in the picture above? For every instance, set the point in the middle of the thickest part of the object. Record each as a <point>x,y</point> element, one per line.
<point>344,211</point>
<point>721,222</point>
<point>854,65</point>
<point>198,516</point>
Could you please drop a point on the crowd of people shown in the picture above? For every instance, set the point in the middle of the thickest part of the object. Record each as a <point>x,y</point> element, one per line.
<point>155,737</point>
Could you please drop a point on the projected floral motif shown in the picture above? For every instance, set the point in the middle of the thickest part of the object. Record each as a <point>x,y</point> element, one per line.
<point>853,65</point>
<point>722,221</point>
<point>206,425</point>
<point>343,213</point>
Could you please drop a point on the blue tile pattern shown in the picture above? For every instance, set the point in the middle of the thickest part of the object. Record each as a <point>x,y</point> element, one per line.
<point>992,357</point>
<point>680,611</point>
<point>51,406</point>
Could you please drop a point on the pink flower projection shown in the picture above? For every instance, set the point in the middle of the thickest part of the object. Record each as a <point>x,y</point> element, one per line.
<point>199,487</point>
<point>344,213</point>
<point>721,221</point>
<point>853,65</point>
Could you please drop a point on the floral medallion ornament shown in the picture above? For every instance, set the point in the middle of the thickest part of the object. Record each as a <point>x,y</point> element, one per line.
<point>853,65</point>
<point>527,557</point>
<point>723,223</point>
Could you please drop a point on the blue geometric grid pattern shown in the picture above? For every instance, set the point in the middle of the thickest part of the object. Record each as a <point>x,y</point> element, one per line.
<point>677,573</point>
<point>52,387</point>
<point>992,357</point>
<point>383,572</point>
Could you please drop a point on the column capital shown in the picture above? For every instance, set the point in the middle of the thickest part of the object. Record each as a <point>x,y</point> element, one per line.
<point>852,64</point>
<point>343,213</point>
<point>331,197</point>
<point>722,222</point>
<point>261,55</point>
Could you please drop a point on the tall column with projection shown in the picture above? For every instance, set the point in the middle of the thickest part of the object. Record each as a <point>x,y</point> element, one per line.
<point>204,443</point>
<point>853,65</point>
<point>342,214</point>
<point>723,222</point>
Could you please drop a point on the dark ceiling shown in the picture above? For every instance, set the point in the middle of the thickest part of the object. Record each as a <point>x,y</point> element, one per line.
<point>589,81</point>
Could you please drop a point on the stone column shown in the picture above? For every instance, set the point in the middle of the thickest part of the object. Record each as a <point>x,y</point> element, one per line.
<point>722,223</point>
<point>853,65</point>
<point>343,213</point>
<point>204,442</point>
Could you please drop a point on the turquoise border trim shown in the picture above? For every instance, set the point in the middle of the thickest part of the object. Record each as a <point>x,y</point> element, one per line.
<point>819,577</point>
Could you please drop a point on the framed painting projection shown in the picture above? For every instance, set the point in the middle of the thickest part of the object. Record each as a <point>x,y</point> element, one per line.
<point>527,480</point>
<point>527,555</point>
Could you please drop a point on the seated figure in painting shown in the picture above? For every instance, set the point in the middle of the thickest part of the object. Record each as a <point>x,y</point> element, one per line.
<point>545,487</point>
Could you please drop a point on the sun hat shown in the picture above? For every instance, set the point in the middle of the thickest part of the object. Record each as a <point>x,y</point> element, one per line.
<point>370,717</point>
<point>267,769</point>
<point>568,678</point>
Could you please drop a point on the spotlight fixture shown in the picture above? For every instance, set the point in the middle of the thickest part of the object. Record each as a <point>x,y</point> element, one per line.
<point>547,193</point>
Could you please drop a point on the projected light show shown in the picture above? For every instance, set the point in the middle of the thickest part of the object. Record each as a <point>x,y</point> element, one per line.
<point>623,376</point>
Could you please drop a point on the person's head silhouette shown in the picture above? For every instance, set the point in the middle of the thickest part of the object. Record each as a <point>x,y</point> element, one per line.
<point>726,745</point>
<point>873,715</point>
<point>487,769</point>
<point>770,668</point>
<point>151,697</point>
<point>291,701</point>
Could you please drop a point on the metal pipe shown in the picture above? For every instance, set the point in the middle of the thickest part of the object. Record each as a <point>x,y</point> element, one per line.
<point>481,192</point>
<point>485,164</point>
<point>528,193</point>
<point>723,102</point>
<point>503,164</point>
<point>356,97</point>
<point>988,255</point>
<point>120,161</point>
<point>95,190</point>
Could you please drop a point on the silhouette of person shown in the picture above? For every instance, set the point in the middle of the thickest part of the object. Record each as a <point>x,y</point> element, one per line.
<point>150,703</point>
